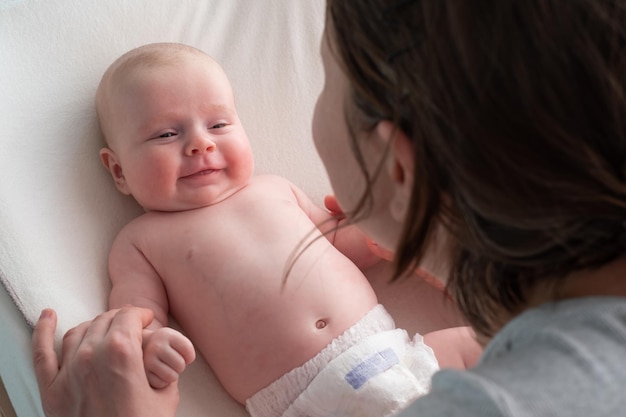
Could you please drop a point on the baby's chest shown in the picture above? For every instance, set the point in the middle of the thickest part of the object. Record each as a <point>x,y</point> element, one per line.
<point>211,247</point>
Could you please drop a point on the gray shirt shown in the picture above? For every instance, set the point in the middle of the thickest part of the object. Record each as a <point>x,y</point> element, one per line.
<point>565,358</point>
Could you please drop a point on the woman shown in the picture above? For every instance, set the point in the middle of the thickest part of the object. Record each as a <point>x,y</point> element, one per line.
<point>504,122</point>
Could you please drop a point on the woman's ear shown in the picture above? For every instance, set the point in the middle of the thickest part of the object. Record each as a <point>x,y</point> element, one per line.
<point>400,167</point>
<point>111,163</point>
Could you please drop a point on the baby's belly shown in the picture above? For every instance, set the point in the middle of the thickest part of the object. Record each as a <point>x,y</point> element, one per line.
<point>252,329</point>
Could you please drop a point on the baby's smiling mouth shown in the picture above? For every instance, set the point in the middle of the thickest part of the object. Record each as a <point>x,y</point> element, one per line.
<point>201,173</point>
<point>205,172</point>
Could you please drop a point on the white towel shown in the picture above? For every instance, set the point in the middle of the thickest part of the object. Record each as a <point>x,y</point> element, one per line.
<point>59,210</point>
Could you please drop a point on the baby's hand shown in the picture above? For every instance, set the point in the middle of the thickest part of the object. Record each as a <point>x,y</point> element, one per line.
<point>166,353</point>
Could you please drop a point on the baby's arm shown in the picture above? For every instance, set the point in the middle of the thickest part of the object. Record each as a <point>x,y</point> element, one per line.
<point>348,239</point>
<point>135,282</point>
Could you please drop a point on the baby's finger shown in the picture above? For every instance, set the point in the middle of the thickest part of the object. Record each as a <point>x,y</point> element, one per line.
<point>185,348</point>
<point>157,382</point>
<point>159,373</point>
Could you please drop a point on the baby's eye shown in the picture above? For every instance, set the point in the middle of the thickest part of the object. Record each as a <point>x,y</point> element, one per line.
<point>218,126</point>
<point>167,135</point>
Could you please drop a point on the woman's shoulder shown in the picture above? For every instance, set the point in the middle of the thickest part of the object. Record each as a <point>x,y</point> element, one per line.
<point>564,355</point>
<point>455,393</point>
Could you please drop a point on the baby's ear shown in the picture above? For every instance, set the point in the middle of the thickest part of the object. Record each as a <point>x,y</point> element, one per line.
<point>111,163</point>
<point>400,167</point>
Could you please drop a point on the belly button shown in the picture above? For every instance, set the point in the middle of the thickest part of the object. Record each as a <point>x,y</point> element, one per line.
<point>321,323</point>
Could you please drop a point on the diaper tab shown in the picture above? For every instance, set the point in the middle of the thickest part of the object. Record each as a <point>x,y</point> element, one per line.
<point>372,366</point>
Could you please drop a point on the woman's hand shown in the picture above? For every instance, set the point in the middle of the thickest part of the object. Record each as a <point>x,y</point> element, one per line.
<point>331,204</point>
<point>101,370</point>
<point>350,240</point>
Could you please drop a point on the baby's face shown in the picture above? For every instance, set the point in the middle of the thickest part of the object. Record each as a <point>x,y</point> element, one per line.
<point>177,137</point>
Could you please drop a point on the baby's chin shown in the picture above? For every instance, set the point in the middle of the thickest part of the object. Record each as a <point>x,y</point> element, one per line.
<point>175,208</point>
<point>200,198</point>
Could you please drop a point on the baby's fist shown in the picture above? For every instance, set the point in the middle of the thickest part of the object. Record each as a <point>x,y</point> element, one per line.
<point>166,353</point>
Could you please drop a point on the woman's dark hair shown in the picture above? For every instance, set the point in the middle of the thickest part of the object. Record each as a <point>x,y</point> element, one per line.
<point>516,110</point>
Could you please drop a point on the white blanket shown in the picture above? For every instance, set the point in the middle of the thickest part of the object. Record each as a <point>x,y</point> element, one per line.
<point>59,210</point>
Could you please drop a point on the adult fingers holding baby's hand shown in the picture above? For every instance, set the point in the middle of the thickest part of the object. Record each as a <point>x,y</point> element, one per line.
<point>101,370</point>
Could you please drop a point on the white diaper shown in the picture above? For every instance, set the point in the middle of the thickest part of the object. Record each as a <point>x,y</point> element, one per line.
<point>370,370</point>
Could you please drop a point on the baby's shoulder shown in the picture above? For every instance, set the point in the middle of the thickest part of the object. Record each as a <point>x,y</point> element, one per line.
<point>139,225</point>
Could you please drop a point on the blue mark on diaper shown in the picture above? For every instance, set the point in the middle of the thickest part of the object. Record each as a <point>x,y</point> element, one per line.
<point>372,366</point>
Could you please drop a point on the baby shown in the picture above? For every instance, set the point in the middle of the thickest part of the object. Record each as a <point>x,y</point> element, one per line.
<point>287,331</point>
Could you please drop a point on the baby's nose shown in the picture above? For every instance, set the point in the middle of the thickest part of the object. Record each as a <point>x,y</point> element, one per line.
<point>200,144</point>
